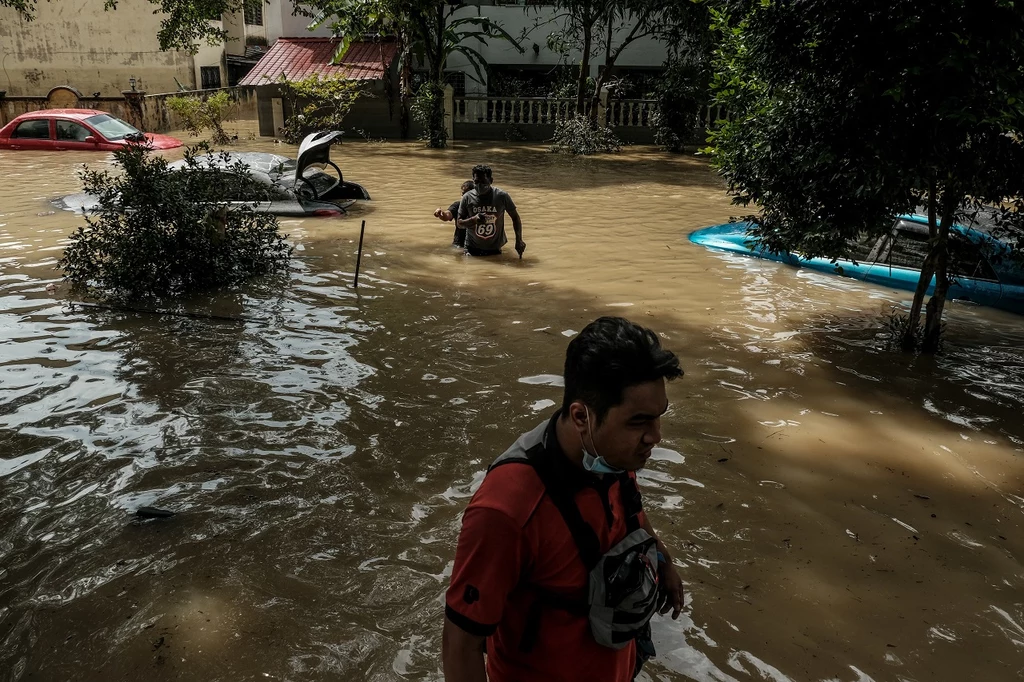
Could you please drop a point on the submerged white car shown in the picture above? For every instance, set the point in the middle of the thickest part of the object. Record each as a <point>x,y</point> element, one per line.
<point>308,185</point>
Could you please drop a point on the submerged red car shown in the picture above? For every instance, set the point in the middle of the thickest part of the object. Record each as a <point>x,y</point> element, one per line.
<point>76,129</point>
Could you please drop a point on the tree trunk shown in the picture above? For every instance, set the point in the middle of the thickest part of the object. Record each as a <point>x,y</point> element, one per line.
<point>439,59</point>
<point>909,342</point>
<point>609,64</point>
<point>933,316</point>
<point>581,84</point>
<point>406,93</point>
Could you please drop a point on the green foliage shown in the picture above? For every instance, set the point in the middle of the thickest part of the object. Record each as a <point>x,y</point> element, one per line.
<point>186,23</point>
<point>682,94</point>
<point>203,113</point>
<point>567,88</point>
<point>428,112</point>
<point>845,115</point>
<point>580,136</point>
<point>324,104</point>
<point>26,8</point>
<point>161,232</point>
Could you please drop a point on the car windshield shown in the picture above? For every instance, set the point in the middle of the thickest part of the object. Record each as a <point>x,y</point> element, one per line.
<point>111,128</point>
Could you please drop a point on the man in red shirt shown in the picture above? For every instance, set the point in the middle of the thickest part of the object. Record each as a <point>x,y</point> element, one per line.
<point>556,515</point>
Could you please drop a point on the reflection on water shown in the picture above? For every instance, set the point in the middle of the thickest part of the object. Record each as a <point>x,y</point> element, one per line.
<point>838,512</point>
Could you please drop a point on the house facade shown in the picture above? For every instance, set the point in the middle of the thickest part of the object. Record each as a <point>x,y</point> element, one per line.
<point>531,22</point>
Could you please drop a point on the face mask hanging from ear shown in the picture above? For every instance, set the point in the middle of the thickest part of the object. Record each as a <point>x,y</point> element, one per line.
<point>595,464</point>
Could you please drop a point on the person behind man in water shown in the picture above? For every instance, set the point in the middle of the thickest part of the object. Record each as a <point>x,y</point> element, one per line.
<point>558,570</point>
<point>482,212</point>
<point>452,213</point>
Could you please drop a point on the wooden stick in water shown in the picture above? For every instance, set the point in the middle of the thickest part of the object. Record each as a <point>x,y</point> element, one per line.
<point>359,255</point>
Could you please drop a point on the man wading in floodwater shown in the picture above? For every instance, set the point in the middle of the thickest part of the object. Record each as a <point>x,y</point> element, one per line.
<point>482,212</point>
<point>557,568</point>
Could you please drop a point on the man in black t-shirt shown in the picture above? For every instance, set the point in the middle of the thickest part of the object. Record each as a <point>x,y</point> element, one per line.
<point>452,213</point>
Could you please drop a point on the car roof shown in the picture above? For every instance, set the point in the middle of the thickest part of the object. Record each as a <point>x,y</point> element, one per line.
<point>79,114</point>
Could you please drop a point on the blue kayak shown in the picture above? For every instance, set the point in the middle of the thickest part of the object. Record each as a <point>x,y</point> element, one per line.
<point>895,259</point>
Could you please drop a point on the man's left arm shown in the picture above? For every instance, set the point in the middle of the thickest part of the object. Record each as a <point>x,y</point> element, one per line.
<point>517,226</point>
<point>671,597</point>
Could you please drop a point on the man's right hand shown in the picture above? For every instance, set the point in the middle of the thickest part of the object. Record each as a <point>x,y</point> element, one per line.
<point>438,212</point>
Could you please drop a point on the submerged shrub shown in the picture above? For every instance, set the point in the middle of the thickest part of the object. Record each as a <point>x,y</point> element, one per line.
<point>325,102</point>
<point>581,136</point>
<point>428,112</point>
<point>159,232</point>
<point>203,113</point>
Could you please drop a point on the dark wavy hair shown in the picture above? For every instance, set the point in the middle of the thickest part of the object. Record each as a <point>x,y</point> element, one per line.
<point>482,170</point>
<point>607,357</point>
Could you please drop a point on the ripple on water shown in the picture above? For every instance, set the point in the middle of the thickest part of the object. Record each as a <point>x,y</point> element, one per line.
<point>541,405</point>
<point>543,380</point>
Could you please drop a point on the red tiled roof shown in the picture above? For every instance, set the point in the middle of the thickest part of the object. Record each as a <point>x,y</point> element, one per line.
<point>300,58</point>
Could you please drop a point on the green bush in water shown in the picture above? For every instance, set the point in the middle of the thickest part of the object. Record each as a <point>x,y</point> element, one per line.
<point>203,113</point>
<point>428,112</point>
<point>159,232</point>
<point>682,93</point>
<point>580,136</point>
<point>325,104</point>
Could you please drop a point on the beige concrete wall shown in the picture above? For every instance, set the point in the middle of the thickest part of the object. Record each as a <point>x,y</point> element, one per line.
<point>208,55</point>
<point>235,28</point>
<point>281,23</point>
<point>79,44</point>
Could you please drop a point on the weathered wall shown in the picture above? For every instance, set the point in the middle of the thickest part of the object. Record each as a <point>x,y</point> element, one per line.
<point>152,115</point>
<point>234,25</point>
<point>209,55</point>
<point>81,45</point>
<point>282,23</point>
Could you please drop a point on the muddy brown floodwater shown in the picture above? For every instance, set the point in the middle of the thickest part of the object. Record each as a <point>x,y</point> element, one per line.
<point>838,512</point>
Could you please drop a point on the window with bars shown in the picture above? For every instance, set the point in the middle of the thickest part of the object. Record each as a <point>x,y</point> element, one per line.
<point>253,12</point>
<point>456,79</point>
<point>210,76</point>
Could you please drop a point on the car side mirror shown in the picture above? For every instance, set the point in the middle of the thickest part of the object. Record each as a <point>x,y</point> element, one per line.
<point>92,139</point>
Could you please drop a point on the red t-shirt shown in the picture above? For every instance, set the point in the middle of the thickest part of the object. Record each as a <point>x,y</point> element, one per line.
<point>514,541</point>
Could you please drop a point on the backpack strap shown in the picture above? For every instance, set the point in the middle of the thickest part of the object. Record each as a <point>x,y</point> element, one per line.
<point>565,501</point>
<point>632,502</point>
